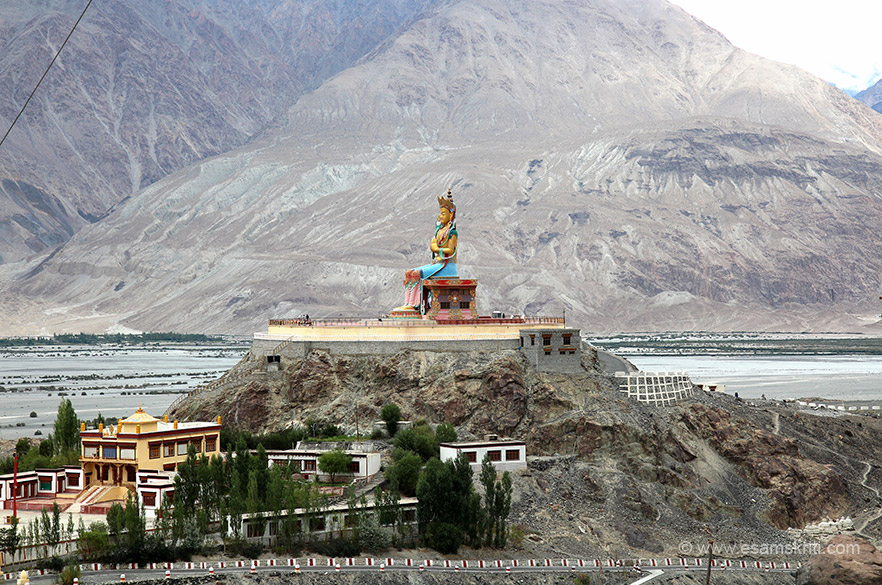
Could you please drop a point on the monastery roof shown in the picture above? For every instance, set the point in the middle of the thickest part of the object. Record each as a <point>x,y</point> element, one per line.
<point>140,417</point>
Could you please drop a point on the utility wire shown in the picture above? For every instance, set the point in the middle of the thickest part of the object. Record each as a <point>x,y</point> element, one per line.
<point>21,111</point>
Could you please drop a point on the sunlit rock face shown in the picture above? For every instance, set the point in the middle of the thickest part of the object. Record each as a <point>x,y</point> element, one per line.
<point>619,161</point>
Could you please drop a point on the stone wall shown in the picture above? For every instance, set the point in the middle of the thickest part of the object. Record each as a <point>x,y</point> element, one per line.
<point>298,349</point>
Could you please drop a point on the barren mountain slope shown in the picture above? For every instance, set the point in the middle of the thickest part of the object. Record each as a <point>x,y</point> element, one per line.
<point>617,160</point>
<point>145,88</point>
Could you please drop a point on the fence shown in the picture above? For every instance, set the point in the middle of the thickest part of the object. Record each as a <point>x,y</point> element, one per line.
<point>658,389</point>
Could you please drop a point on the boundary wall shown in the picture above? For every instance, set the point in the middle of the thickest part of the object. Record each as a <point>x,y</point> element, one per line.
<point>263,346</point>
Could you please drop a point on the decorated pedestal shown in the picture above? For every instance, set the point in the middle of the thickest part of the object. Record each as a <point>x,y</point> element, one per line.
<point>450,298</point>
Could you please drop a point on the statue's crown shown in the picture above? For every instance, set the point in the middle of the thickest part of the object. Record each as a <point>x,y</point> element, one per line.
<point>447,201</point>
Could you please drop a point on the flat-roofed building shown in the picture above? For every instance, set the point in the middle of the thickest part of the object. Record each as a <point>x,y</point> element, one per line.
<point>114,455</point>
<point>40,483</point>
<point>504,454</point>
<point>364,465</point>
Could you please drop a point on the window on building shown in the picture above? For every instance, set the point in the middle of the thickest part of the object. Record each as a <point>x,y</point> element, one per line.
<point>348,521</point>
<point>149,499</point>
<point>472,456</point>
<point>130,472</point>
<point>409,516</point>
<point>309,465</point>
<point>548,352</point>
<point>567,338</point>
<point>108,452</point>
<point>168,450</point>
<point>197,443</point>
<point>353,467</point>
<point>546,340</point>
<point>45,484</point>
<point>494,455</point>
<point>210,444</point>
<point>445,305</point>
<point>463,304</point>
<point>90,451</point>
<point>254,530</point>
<point>532,340</point>
<point>273,528</point>
<point>317,524</point>
<point>512,455</point>
<point>154,450</point>
<point>73,480</point>
<point>127,453</point>
<point>182,448</point>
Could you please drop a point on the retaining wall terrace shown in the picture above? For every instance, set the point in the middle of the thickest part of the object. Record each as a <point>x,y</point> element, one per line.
<point>657,389</point>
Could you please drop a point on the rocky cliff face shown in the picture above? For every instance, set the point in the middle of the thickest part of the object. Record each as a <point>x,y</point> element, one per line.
<point>610,475</point>
<point>144,89</point>
<point>617,160</point>
<point>872,96</point>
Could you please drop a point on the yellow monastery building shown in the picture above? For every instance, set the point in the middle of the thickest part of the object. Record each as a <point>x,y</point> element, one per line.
<point>113,455</point>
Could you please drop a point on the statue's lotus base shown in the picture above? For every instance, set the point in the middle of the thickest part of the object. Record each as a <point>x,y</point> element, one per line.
<point>405,312</point>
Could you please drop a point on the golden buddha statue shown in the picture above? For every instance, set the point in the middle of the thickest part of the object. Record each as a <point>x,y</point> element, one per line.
<point>443,247</point>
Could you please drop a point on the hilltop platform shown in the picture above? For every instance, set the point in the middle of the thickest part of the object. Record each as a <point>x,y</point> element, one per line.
<point>386,336</point>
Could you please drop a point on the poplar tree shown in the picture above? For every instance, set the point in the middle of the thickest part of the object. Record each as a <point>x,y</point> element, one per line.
<point>67,428</point>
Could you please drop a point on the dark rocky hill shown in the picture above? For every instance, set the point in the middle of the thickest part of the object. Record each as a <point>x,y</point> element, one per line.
<point>608,476</point>
<point>617,160</point>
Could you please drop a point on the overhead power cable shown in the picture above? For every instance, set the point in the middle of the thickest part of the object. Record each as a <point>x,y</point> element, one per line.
<point>21,111</point>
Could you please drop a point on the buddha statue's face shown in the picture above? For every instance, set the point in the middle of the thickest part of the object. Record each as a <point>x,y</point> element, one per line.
<point>444,216</point>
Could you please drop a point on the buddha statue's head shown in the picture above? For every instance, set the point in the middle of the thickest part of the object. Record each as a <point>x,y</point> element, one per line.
<point>447,213</point>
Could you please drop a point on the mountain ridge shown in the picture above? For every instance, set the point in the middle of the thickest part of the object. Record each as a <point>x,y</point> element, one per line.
<point>746,205</point>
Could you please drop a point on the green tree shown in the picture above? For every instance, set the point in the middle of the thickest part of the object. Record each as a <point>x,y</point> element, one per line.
<point>497,505</point>
<point>420,440</point>
<point>67,428</point>
<point>405,470</point>
<point>116,524</point>
<point>334,463</point>
<point>391,414</point>
<point>136,531</point>
<point>93,544</point>
<point>10,539</point>
<point>22,446</point>
<point>260,464</point>
<point>445,433</point>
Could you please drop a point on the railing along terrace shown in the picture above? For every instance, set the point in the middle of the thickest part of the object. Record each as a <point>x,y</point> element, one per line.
<point>390,322</point>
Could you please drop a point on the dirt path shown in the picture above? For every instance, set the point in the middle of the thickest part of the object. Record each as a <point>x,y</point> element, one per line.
<point>874,517</point>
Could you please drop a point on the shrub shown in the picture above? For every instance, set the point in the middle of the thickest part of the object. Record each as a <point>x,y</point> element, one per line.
<point>378,434</point>
<point>69,573</point>
<point>443,537</point>
<point>337,547</point>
